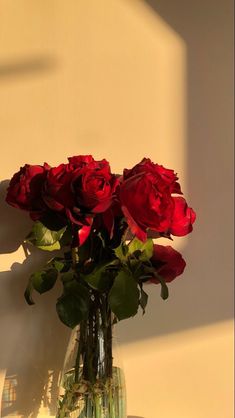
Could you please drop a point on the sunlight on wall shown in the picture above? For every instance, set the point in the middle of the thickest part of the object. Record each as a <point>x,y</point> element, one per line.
<point>117,86</point>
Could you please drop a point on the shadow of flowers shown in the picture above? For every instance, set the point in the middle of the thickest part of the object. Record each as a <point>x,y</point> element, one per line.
<point>33,341</point>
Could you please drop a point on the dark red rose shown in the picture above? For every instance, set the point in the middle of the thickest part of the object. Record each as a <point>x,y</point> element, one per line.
<point>58,194</point>
<point>94,186</point>
<point>166,177</point>
<point>145,195</point>
<point>182,219</point>
<point>168,263</point>
<point>24,191</point>
<point>80,161</point>
<point>79,190</point>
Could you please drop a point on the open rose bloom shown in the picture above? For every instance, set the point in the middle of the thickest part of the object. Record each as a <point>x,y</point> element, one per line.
<point>99,227</point>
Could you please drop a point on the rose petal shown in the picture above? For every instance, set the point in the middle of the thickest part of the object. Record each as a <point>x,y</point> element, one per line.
<point>183,218</point>
<point>83,233</point>
<point>134,227</point>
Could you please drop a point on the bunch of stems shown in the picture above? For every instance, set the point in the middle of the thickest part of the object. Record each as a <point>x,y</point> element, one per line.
<point>93,366</point>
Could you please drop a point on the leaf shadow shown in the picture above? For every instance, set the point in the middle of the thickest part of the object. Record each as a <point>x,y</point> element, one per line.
<point>28,65</point>
<point>33,341</point>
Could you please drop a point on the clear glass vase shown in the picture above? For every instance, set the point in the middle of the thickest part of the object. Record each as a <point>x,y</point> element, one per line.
<point>91,385</point>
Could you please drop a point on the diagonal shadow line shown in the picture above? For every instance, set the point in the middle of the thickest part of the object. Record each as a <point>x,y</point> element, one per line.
<point>133,416</point>
<point>202,53</point>
<point>27,65</point>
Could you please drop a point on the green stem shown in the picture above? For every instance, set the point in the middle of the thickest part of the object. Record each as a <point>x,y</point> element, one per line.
<point>75,257</point>
<point>109,345</point>
<point>79,352</point>
<point>107,331</point>
<point>111,405</point>
<point>90,350</point>
<point>87,367</point>
<point>97,406</point>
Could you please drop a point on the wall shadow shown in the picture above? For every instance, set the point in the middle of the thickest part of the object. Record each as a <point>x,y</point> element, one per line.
<point>31,350</point>
<point>132,416</point>
<point>13,229</point>
<point>204,294</point>
<point>26,66</point>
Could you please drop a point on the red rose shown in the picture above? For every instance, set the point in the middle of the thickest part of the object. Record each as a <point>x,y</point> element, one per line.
<point>83,183</point>
<point>24,191</point>
<point>166,177</point>
<point>168,263</point>
<point>58,194</point>
<point>58,191</point>
<point>182,219</point>
<point>79,190</point>
<point>80,161</point>
<point>145,195</point>
<point>93,186</point>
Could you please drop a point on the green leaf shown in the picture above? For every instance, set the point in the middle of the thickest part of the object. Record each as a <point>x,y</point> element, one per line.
<point>164,288</point>
<point>73,306</point>
<point>67,277</point>
<point>53,247</point>
<point>45,238</point>
<point>59,265</point>
<point>141,250</point>
<point>146,248</point>
<point>121,252</point>
<point>42,281</point>
<point>143,300</point>
<point>124,295</point>
<point>28,294</point>
<point>100,278</point>
<point>164,292</point>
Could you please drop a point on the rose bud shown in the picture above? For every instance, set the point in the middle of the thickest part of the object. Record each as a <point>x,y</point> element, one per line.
<point>168,263</point>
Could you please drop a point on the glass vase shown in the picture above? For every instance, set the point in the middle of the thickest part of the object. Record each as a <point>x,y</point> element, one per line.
<point>91,385</point>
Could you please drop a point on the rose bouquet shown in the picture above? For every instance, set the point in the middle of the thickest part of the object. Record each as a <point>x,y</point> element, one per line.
<point>100,227</point>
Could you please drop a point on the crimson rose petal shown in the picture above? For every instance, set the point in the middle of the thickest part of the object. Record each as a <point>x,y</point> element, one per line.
<point>83,233</point>
<point>80,160</point>
<point>134,227</point>
<point>183,218</point>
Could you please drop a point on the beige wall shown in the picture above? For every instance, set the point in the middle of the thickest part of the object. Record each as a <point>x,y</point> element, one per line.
<point>122,80</point>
